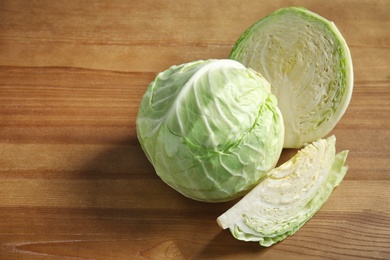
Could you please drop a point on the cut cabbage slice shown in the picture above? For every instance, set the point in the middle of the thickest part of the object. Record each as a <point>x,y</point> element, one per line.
<point>309,66</point>
<point>290,195</point>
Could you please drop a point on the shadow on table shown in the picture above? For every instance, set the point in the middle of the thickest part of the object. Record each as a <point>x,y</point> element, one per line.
<point>225,246</point>
<point>119,189</point>
<point>124,200</point>
<point>118,176</point>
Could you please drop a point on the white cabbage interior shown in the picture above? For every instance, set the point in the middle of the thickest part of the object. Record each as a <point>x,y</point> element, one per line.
<point>304,59</point>
<point>287,198</point>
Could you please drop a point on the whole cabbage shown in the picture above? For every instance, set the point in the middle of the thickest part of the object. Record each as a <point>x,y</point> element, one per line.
<point>211,129</point>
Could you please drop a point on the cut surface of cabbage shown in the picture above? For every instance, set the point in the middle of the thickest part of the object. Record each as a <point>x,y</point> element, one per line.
<point>309,66</point>
<point>290,195</point>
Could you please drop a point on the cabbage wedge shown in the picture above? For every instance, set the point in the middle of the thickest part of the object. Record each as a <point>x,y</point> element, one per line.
<point>309,65</point>
<point>290,195</point>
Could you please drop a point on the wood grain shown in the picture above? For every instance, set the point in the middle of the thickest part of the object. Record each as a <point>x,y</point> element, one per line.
<point>74,182</point>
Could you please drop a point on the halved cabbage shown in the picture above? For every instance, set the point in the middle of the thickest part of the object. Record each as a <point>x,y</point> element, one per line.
<point>290,195</point>
<point>211,129</point>
<point>309,66</point>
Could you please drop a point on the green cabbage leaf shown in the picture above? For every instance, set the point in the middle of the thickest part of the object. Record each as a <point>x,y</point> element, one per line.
<point>211,129</point>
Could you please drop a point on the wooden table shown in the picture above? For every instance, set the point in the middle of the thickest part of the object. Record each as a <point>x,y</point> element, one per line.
<point>74,182</point>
